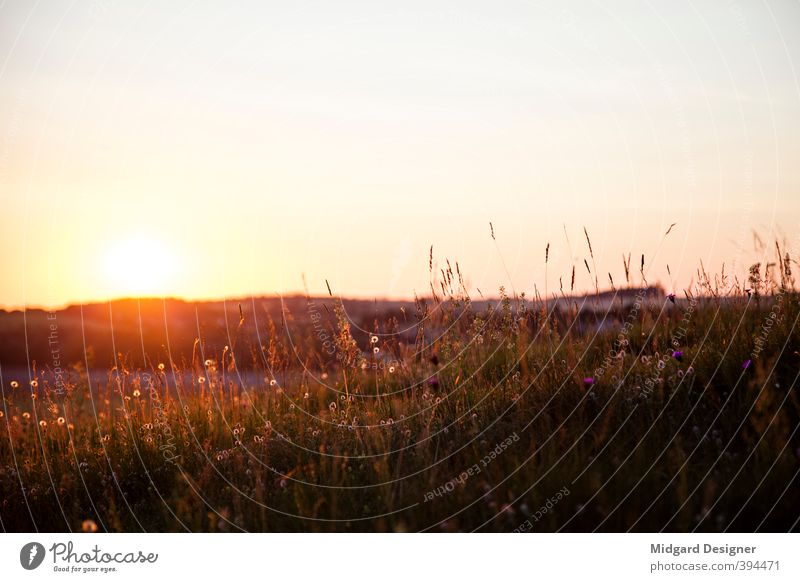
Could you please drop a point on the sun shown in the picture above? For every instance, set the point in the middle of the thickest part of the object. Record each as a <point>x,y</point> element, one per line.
<point>139,265</point>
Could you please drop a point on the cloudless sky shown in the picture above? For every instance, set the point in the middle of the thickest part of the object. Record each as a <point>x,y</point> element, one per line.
<point>217,149</point>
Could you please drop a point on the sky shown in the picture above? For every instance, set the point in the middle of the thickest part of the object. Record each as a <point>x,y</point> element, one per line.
<point>207,150</point>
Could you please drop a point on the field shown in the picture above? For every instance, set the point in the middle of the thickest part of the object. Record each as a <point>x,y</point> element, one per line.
<point>630,410</point>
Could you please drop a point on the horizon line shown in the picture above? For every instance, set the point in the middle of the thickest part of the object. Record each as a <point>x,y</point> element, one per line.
<point>7,308</point>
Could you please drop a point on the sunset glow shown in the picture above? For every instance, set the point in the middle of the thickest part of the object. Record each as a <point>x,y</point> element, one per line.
<point>382,267</point>
<point>342,143</point>
<point>139,266</point>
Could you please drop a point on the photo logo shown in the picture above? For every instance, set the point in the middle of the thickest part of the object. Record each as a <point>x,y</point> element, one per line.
<point>31,555</point>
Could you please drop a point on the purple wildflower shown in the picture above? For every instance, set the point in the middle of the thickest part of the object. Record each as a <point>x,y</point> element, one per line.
<point>433,382</point>
<point>678,355</point>
<point>746,364</point>
<point>588,381</point>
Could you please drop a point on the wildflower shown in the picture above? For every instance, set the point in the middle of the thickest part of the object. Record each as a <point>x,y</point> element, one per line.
<point>161,367</point>
<point>671,297</point>
<point>136,393</point>
<point>201,379</point>
<point>209,363</point>
<point>43,423</point>
<point>106,438</point>
<point>391,369</point>
<point>588,381</point>
<point>373,339</point>
<point>70,426</point>
<point>61,421</point>
<point>2,414</point>
<point>324,375</point>
<point>272,382</point>
<point>746,364</point>
<point>678,355</point>
<point>34,383</point>
<point>88,526</point>
<point>14,384</point>
<point>375,350</point>
<point>433,382</point>
<point>26,415</point>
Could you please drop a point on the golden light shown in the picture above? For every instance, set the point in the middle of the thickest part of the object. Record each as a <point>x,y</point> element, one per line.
<point>140,265</point>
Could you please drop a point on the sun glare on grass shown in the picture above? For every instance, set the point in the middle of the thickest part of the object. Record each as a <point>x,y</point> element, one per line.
<point>139,265</point>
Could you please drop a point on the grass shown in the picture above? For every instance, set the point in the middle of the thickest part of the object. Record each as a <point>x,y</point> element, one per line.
<point>641,414</point>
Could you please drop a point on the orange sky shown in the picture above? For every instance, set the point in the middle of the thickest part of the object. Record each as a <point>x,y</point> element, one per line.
<point>204,152</point>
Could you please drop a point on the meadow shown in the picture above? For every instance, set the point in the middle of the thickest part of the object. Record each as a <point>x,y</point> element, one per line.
<point>630,410</point>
